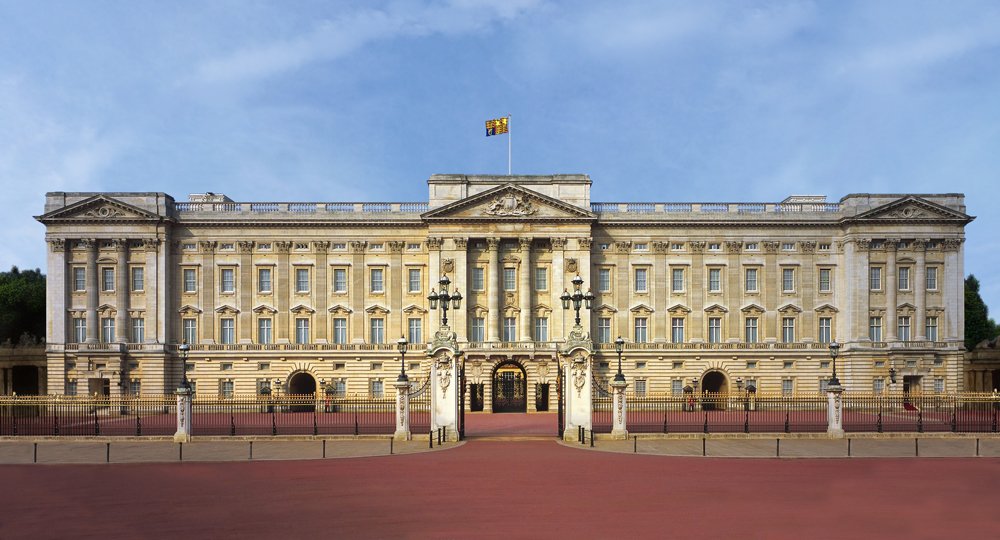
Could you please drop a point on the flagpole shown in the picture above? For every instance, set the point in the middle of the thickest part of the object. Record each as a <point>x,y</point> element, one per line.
<point>508,144</point>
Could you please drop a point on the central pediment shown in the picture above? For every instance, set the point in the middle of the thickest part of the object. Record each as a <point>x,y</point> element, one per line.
<point>100,208</point>
<point>509,202</point>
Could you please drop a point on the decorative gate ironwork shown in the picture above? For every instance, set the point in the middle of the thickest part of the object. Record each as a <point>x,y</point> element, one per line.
<point>561,414</point>
<point>510,389</point>
<point>602,407</point>
<point>461,401</point>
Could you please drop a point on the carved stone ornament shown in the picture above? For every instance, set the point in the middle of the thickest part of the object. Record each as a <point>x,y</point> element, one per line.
<point>771,246</point>
<point>525,243</point>
<point>919,244</point>
<point>510,204</point>
<point>492,244</point>
<point>150,244</point>
<point>477,371</point>
<point>119,244</point>
<point>909,211</point>
<point>543,371</point>
<point>395,246</point>
<point>57,244</point>
<point>808,246</point>
<point>696,247</point>
<point>952,244</point>
<point>623,247</point>
<point>207,246</point>
<point>282,246</point>
<point>444,337</point>
<point>461,243</point>
<point>509,299</point>
<point>106,211</point>
<point>585,242</point>
<point>578,338</point>
<point>448,266</point>
<point>444,373</point>
<point>661,247</point>
<point>245,246</point>
<point>434,242</point>
<point>734,247</point>
<point>863,244</point>
<point>558,243</point>
<point>321,246</point>
<point>572,266</point>
<point>579,374</point>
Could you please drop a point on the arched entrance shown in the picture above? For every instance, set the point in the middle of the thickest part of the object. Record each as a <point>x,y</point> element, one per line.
<point>302,384</point>
<point>510,388</point>
<point>714,386</point>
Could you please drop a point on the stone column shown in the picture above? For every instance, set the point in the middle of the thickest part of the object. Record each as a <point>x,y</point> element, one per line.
<point>460,283</point>
<point>621,292</point>
<point>93,327</point>
<point>578,379</point>
<point>358,284</point>
<point>152,286</point>
<point>247,286</point>
<point>890,290</point>
<point>402,432</point>
<point>768,284</point>
<point>434,245</point>
<point>395,278</point>
<point>183,433</point>
<point>524,290</point>
<point>321,294</point>
<point>954,280</point>
<point>494,290</point>
<point>659,290</point>
<point>919,286</point>
<point>206,291</point>
<point>55,291</point>
<point>619,426</point>
<point>121,291</point>
<point>558,329</point>
<point>834,411</point>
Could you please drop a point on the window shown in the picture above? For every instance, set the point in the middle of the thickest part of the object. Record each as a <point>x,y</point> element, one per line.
<point>413,246</point>
<point>640,329</point>
<point>824,280</point>
<point>751,280</point>
<point>604,330</point>
<point>134,387</point>
<point>301,280</point>
<point>715,329</point>
<point>715,246</point>
<point>414,327</point>
<point>301,330</point>
<point>904,278</point>
<point>413,280</point>
<point>640,387</point>
<point>339,280</point>
<point>938,385</point>
<point>676,386</point>
<point>509,279</point>
<point>228,280</point>
<point>79,279</point>
<point>824,384</point>
<point>750,327</point>
<point>138,330</point>
<point>824,246</point>
<point>787,279</point>
<point>640,280</point>
<point>340,387</point>
<point>751,364</point>
<point>263,386</point>
<point>878,385</point>
<point>376,332</point>
<point>677,329</point>
<point>477,330</point>
<point>107,330</point>
<point>641,246</point>
<point>875,278</point>
<point>190,280</point>
<point>226,388</point>
<point>788,364</point>
<point>264,280</point>
<point>264,336</point>
<point>340,330</point>
<point>477,279</point>
<point>604,280</point>
<point>71,388</point>
<point>788,329</point>
<point>227,331</point>
<point>751,246</point>
<point>677,280</point>
<point>377,389</point>
<point>226,366</point>
<point>931,329</point>
<point>932,278</point>
<point>191,330</point>
<point>825,329</point>
<point>714,279</point>
<point>509,329</point>
<point>541,279</point>
<point>376,282</point>
<point>107,279</point>
<point>903,328</point>
<point>788,246</point>
<point>138,281</point>
<point>676,246</point>
<point>541,329</point>
<point>79,330</point>
<point>875,328</point>
<point>787,387</point>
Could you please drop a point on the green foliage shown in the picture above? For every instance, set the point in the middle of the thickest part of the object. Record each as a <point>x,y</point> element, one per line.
<point>22,305</point>
<point>978,324</point>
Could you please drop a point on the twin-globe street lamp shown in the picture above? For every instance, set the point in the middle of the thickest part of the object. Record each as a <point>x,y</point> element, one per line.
<point>577,297</point>
<point>834,350</point>
<point>444,297</point>
<point>184,348</point>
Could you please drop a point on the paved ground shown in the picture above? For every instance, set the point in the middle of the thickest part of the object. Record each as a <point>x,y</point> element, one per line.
<point>492,489</point>
<point>510,424</point>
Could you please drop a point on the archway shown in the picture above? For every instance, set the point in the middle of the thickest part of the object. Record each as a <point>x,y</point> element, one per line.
<point>302,384</point>
<point>25,380</point>
<point>510,388</point>
<point>714,386</point>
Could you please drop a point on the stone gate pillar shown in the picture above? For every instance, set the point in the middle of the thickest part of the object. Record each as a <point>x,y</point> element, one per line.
<point>402,411</point>
<point>445,383</point>
<point>835,410</point>
<point>578,361</point>
<point>183,433</point>
<point>619,422</point>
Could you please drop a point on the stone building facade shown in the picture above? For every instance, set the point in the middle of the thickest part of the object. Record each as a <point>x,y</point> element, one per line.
<point>304,296</point>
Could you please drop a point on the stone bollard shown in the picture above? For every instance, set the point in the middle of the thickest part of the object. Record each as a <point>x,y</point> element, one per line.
<point>402,411</point>
<point>183,433</point>
<point>619,420</point>
<point>835,410</point>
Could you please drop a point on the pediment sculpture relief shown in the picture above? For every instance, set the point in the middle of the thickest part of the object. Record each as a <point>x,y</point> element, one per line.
<point>510,204</point>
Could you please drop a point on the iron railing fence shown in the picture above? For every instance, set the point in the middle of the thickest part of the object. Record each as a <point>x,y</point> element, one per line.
<point>420,407</point>
<point>602,406</point>
<point>969,412</point>
<point>46,416</point>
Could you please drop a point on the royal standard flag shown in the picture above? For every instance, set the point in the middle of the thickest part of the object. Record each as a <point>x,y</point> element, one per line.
<point>497,126</point>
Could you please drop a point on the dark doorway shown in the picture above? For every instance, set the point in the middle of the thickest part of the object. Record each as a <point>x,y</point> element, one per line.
<point>25,380</point>
<point>996,381</point>
<point>541,397</point>
<point>510,388</point>
<point>476,393</point>
<point>713,388</point>
<point>302,385</point>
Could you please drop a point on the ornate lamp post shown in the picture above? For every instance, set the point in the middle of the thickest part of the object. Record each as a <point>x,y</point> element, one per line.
<point>619,344</point>
<point>184,348</point>
<point>401,345</point>
<point>577,297</point>
<point>444,297</point>
<point>834,350</point>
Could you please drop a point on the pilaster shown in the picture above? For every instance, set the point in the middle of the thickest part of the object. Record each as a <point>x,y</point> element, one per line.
<point>93,328</point>
<point>493,290</point>
<point>524,289</point>
<point>890,290</point>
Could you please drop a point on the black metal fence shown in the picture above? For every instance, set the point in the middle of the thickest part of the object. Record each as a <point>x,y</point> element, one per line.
<point>420,408</point>
<point>899,412</point>
<point>45,416</point>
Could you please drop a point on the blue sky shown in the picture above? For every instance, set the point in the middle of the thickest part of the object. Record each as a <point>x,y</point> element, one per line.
<point>353,101</point>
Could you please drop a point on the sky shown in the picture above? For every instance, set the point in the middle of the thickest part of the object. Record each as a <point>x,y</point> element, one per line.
<point>363,101</point>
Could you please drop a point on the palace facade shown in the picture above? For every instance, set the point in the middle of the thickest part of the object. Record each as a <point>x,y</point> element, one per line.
<point>298,297</point>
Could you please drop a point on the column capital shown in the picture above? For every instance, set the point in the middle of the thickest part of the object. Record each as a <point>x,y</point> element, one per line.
<point>558,243</point>
<point>120,245</point>
<point>524,242</point>
<point>57,244</point>
<point>245,246</point>
<point>492,244</point>
<point>434,242</point>
<point>461,243</point>
<point>208,246</point>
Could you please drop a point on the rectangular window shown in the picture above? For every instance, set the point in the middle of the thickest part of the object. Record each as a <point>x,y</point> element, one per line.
<point>509,329</point>
<point>875,278</point>
<point>715,330</point>
<point>787,387</point>
<point>509,279</point>
<point>931,329</point>
<point>714,279</point>
<point>301,280</point>
<point>190,280</point>
<point>676,387</point>
<point>477,279</point>
<point>904,278</point>
<point>227,331</point>
<point>71,388</point>
<point>228,280</point>
<point>640,387</point>
<point>824,384</point>
<point>378,389</point>
<point>226,388</point>
<point>787,279</point>
<point>264,335</point>
<point>640,280</point>
<point>788,329</point>
<point>903,328</point>
<point>339,280</point>
<point>878,385</point>
<point>138,279</point>
<point>191,330</point>
<point>107,279</point>
<point>376,332</point>
<point>107,330</point>
<point>932,278</point>
<point>377,284</point>
<point>414,330</point>
<point>541,329</point>
<point>875,328</point>
<point>825,329</point>
<point>640,329</point>
<point>413,280</point>
<point>604,280</point>
<point>138,330</point>
<point>824,280</point>
<point>751,280</point>
<point>340,330</point>
<point>79,330</point>
<point>79,279</point>
<point>677,329</point>
<point>477,330</point>
<point>677,280</point>
<point>301,330</point>
<point>264,280</point>
<point>750,327</point>
<point>938,385</point>
<point>541,279</point>
<point>604,330</point>
<point>263,386</point>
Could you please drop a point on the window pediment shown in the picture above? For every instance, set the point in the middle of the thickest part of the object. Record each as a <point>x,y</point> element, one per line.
<point>226,310</point>
<point>789,309</point>
<point>302,309</point>
<point>340,309</point>
<point>414,309</point>
<point>376,310</point>
<point>107,309</point>
<point>716,309</point>
<point>752,309</point>
<point>264,308</point>
<point>188,309</point>
<point>679,309</point>
<point>641,309</point>
<point>605,310</point>
<point>826,308</point>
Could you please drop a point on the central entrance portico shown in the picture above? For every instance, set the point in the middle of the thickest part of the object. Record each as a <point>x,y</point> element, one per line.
<point>510,388</point>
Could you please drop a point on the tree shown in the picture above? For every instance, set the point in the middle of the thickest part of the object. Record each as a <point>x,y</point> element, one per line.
<point>978,324</point>
<point>22,305</point>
